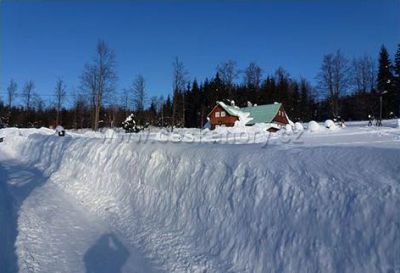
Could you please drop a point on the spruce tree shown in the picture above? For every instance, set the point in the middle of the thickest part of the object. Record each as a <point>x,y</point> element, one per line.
<point>385,82</point>
<point>385,75</point>
<point>397,80</point>
<point>397,62</point>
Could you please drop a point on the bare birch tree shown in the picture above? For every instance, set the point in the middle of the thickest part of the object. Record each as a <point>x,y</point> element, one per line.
<point>252,76</point>
<point>228,74</point>
<point>364,74</point>
<point>139,93</point>
<point>179,85</point>
<point>125,100</point>
<point>27,94</point>
<point>59,94</point>
<point>11,93</point>
<point>79,107</point>
<point>98,79</point>
<point>333,78</point>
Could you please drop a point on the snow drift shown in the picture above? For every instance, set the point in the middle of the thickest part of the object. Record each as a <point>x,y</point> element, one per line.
<point>227,208</point>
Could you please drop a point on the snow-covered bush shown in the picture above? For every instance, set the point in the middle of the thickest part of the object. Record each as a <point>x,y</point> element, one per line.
<point>313,126</point>
<point>129,124</point>
<point>330,124</point>
<point>60,130</point>
<point>398,123</point>
<point>298,127</point>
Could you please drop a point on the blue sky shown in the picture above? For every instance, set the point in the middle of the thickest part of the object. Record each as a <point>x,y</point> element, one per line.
<point>46,40</point>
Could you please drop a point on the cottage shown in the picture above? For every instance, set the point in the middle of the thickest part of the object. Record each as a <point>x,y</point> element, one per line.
<point>226,115</point>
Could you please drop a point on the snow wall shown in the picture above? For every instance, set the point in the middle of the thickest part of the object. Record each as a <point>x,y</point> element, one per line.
<point>236,208</point>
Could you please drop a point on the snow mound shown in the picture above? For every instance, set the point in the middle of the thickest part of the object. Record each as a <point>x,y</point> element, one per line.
<point>288,128</point>
<point>313,126</point>
<point>298,127</point>
<point>330,124</point>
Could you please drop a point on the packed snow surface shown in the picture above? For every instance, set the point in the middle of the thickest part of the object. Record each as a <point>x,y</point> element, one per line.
<point>326,201</point>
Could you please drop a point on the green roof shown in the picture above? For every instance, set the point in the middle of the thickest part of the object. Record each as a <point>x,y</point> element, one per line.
<point>259,114</point>
<point>263,113</point>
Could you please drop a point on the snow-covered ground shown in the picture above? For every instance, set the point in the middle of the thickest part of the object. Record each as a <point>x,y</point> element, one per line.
<point>192,201</point>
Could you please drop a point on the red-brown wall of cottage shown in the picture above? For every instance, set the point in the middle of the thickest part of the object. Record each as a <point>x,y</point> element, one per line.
<point>228,120</point>
<point>281,119</point>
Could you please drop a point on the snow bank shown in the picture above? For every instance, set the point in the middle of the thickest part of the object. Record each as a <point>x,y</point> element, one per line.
<point>14,132</point>
<point>226,208</point>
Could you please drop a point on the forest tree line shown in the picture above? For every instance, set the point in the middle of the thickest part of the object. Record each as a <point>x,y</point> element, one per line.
<point>346,89</point>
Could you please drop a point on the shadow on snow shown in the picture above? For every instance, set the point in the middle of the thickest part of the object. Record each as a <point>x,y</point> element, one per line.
<point>108,254</point>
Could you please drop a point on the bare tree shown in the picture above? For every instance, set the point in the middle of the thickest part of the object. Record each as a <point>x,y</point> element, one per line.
<point>27,94</point>
<point>227,71</point>
<point>364,74</point>
<point>179,84</point>
<point>38,103</point>
<point>125,100</point>
<point>79,106</point>
<point>89,86</point>
<point>59,94</point>
<point>228,74</point>
<point>252,75</point>
<point>98,79</point>
<point>161,102</point>
<point>333,78</point>
<point>139,93</point>
<point>11,92</point>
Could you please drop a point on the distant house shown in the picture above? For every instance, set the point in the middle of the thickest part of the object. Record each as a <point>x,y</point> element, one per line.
<point>226,115</point>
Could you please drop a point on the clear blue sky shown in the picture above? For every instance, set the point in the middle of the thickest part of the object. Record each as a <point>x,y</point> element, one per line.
<point>45,40</point>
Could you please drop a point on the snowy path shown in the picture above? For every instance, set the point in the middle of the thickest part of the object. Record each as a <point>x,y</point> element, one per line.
<point>16,183</point>
<point>52,232</point>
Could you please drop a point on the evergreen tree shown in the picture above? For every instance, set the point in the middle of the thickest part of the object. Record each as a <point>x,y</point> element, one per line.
<point>397,80</point>
<point>305,100</point>
<point>385,75</point>
<point>385,82</point>
<point>196,107</point>
<point>397,61</point>
<point>167,111</point>
<point>282,88</point>
<point>293,104</point>
<point>267,91</point>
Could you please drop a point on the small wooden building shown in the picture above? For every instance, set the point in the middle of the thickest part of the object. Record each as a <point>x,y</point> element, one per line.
<point>226,115</point>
